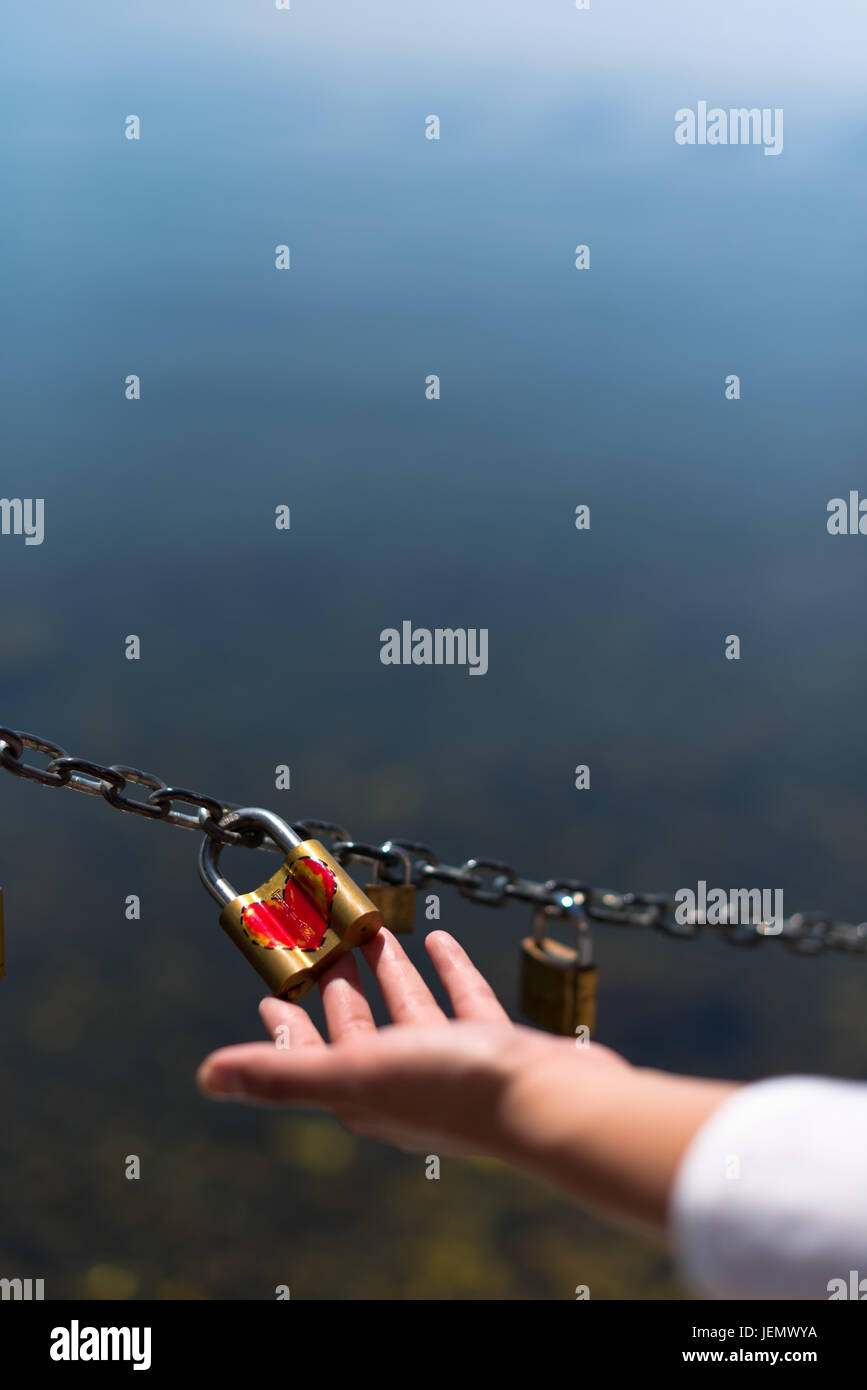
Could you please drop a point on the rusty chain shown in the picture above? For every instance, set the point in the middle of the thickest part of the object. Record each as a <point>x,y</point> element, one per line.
<point>484,881</point>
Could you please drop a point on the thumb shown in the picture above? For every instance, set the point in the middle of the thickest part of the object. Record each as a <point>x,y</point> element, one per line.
<point>261,1071</point>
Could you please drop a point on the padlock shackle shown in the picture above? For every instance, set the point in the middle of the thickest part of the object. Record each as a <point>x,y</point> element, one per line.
<point>217,885</point>
<point>388,849</point>
<point>282,834</point>
<point>576,914</point>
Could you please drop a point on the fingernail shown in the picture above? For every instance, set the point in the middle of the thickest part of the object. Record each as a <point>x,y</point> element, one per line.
<point>222,1081</point>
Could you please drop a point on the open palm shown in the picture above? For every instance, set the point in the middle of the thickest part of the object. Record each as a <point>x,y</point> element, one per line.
<point>425,1082</point>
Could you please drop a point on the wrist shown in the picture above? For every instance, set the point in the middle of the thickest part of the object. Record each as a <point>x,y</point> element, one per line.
<point>612,1136</point>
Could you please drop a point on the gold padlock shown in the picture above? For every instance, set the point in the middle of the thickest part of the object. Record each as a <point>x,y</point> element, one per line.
<point>396,901</point>
<point>297,923</point>
<point>558,982</point>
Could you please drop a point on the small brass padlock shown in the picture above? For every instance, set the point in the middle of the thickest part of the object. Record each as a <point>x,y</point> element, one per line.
<point>396,901</point>
<point>301,919</point>
<point>558,982</point>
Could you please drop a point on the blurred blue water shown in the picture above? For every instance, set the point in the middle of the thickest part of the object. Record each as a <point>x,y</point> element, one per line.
<point>412,257</point>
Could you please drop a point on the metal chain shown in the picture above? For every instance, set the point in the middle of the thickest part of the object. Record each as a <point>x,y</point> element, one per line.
<point>484,881</point>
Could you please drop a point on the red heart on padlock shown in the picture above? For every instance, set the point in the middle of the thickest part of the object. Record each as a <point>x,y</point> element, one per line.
<point>314,879</point>
<point>294,920</point>
<point>270,924</point>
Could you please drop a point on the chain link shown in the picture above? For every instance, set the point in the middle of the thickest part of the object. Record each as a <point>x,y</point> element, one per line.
<point>484,881</point>
<point>95,779</point>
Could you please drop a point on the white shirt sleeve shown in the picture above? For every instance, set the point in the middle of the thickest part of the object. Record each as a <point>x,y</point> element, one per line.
<point>770,1200</point>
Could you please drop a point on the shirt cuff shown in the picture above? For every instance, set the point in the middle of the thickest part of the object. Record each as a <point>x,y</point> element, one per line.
<point>770,1199</point>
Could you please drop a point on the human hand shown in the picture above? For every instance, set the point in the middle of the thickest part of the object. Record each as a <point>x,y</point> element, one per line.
<point>426,1082</point>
